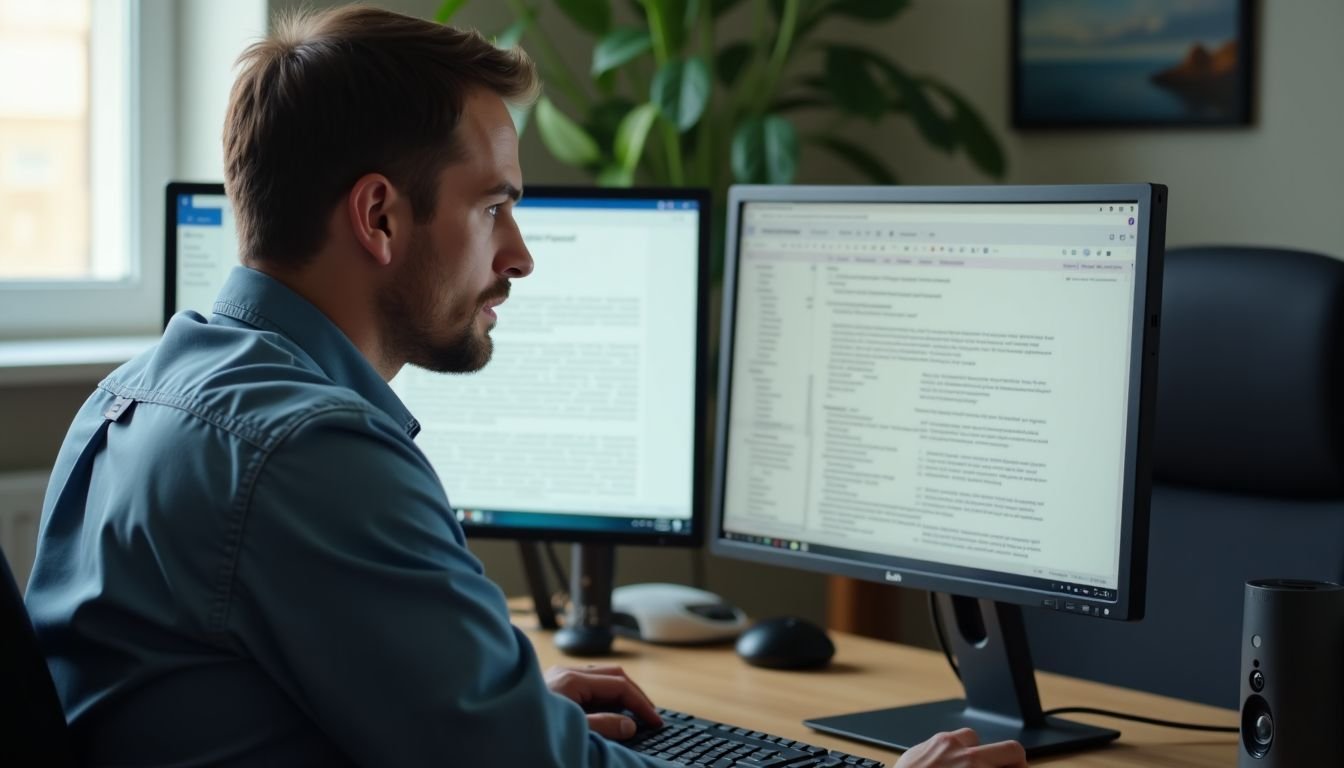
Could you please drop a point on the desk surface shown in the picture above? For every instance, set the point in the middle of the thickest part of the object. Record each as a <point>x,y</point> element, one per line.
<point>869,674</point>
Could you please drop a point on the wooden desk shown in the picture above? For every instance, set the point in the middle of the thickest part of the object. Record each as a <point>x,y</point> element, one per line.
<point>869,674</point>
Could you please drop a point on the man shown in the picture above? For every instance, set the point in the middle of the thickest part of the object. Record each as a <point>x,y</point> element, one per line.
<point>244,558</point>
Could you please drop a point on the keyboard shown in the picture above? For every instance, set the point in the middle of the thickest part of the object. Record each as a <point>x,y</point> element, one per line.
<point>688,740</point>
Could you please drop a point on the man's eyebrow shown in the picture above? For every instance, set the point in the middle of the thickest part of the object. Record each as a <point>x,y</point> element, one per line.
<point>505,188</point>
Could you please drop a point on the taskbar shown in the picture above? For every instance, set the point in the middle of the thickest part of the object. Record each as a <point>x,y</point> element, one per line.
<point>558,521</point>
<point>1061,587</point>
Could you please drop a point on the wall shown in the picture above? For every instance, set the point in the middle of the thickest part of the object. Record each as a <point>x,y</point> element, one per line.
<point>1274,182</point>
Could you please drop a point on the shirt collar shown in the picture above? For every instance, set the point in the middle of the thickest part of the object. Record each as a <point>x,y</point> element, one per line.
<point>263,302</point>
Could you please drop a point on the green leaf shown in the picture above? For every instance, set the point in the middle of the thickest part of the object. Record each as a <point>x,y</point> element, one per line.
<point>615,176</point>
<point>973,134</point>
<point>448,9</point>
<point>731,60</point>
<point>862,160</point>
<point>681,90</point>
<point>850,83</point>
<point>765,150</point>
<point>513,33</point>
<point>869,10</point>
<point>618,47</point>
<point>910,98</point>
<point>632,133</point>
<point>604,119</point>
<point>591,15</point>
<point>565,139</point>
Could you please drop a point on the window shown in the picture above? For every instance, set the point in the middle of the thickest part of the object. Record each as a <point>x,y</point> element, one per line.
<point>85,147</point>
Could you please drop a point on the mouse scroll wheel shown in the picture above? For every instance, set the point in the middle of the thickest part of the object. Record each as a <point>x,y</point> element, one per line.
<point>713,611</point>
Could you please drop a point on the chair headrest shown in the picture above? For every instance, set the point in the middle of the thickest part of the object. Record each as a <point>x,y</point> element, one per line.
<point>1248,371</point>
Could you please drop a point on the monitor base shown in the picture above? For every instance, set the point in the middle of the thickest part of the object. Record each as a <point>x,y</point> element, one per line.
<point>903,727</point>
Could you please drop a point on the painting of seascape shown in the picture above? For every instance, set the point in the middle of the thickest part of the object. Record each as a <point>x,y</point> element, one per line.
<point>1131,63</point>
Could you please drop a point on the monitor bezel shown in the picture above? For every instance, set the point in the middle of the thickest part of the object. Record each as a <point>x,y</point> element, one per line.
<point>694,537</point>
<point>1129,602</point>
<point>171,192</point>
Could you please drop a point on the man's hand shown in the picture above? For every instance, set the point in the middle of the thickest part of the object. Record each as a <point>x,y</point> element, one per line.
<point>593,687</point>
<point>962,749</point>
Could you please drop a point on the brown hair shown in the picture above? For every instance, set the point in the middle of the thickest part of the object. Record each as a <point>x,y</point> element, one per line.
<point>330,96</point>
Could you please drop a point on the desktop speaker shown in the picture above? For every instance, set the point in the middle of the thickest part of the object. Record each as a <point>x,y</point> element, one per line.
<point>1292,674</point>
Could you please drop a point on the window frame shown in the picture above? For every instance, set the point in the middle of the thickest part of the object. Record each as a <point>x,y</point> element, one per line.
<point>131,159</point>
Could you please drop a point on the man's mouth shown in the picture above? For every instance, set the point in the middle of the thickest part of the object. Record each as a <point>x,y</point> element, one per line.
<point>489,307</point>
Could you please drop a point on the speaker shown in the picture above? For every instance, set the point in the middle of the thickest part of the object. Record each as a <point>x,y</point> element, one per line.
<point>1292,674</point>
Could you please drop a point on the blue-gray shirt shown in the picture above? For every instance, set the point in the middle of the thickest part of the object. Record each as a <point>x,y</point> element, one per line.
<point>245,560</point>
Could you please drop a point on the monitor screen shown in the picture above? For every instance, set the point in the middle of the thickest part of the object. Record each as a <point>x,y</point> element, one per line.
<point>942,388</point>
<point>583,427</point>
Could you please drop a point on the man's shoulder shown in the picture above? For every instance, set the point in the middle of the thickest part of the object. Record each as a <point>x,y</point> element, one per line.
<point>255,383</point>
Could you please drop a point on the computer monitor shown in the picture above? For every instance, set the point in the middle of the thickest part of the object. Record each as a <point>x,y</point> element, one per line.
<point>587,425</point>
<point>948,388</point>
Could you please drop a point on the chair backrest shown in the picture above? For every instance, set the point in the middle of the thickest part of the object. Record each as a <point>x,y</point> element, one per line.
<point>1249,469</point>
<point>32,724</point>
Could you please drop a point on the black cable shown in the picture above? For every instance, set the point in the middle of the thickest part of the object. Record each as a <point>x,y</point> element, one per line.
<point>935,617</point>
<point>1141,719</point>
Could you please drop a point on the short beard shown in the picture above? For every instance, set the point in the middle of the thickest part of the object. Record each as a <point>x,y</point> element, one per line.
<point>407,308</point>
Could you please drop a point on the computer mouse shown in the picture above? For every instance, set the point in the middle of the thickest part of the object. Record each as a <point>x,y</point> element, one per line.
<point>786,642</point>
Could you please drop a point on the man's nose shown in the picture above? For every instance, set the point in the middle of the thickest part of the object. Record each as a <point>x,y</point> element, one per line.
<point>514,260</point>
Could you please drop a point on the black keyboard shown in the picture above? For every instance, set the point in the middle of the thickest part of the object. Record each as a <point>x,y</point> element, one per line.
<point>688,740</point>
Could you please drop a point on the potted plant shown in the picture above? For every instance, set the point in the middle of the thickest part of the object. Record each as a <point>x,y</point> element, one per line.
<point>665,101</point>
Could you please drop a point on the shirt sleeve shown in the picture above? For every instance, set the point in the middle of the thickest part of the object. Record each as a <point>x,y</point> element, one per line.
<point>355,591</point>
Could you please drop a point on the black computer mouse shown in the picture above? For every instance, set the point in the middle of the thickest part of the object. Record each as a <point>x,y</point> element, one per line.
<point>785,643</point>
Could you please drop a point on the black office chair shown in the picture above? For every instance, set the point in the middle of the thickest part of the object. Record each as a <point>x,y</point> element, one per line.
<point>32,724</point>
<point>1249,469</point>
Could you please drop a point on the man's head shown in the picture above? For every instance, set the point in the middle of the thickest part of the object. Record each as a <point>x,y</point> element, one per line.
<point>380,146</point>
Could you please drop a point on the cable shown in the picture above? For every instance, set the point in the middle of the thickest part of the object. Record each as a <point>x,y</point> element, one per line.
<point>1141,719</point>
<point>935,616</point>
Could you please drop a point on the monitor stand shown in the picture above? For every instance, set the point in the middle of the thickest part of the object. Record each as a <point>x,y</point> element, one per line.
<point>535,573</point>
<point>587,630</point>
<point>990,644</point>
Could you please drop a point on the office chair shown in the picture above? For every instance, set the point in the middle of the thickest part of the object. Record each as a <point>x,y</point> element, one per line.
<point>1248,469</point>
<point>32,725</point>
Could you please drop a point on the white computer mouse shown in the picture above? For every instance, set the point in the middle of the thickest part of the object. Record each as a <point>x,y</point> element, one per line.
<point>675,614</point>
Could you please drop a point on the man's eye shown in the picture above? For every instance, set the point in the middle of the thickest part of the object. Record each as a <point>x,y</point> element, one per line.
<point>493,210</point>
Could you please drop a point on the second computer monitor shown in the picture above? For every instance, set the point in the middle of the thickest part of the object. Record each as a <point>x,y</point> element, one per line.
<point>945,388</point>
<point>586,424</point>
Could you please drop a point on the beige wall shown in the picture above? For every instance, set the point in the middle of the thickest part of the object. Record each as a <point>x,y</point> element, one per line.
<point>1277,181</point>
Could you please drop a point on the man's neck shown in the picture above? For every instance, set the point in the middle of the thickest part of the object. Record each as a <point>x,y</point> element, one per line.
<point>347,302</point>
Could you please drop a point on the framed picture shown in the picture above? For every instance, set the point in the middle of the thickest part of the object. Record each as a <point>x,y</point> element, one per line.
<point>1105,63</point>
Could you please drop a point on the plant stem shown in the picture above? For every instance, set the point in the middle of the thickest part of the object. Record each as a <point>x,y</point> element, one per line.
<point>560,74</point>
<point>676,174</point>
<point>662,53</point>
<point>708,128</point>
<point>788,25</point>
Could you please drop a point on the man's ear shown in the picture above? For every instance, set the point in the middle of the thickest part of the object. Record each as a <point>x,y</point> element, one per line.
<point>379,216</point>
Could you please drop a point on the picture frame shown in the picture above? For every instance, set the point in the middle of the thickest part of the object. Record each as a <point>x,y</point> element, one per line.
<point>1131,63</point>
